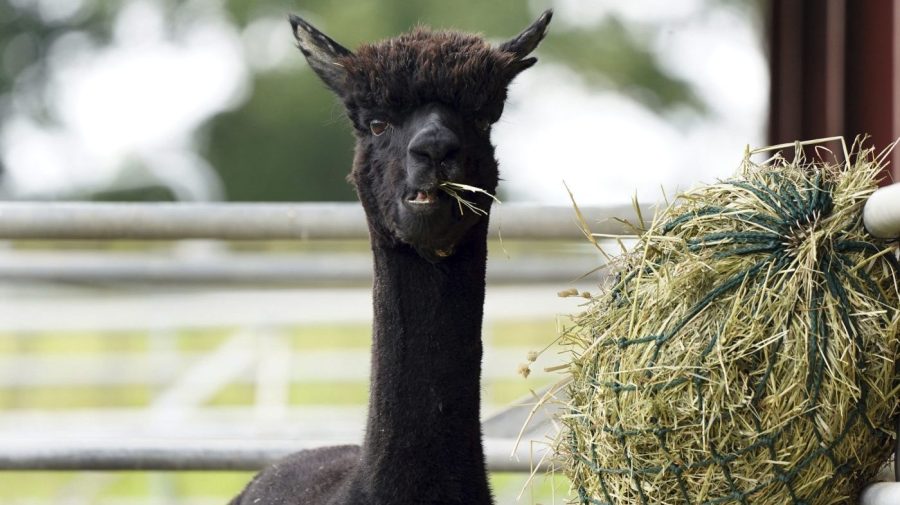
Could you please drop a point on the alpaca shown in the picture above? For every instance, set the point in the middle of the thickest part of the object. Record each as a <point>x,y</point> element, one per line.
<point>421,105</point>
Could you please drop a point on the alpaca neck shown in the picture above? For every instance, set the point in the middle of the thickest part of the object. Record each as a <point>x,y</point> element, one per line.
<point>426,366</point>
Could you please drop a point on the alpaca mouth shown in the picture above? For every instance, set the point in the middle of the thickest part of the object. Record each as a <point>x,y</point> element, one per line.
<point>423,198</point>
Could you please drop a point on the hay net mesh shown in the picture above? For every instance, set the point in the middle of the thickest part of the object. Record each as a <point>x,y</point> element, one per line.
<point>744,352</point>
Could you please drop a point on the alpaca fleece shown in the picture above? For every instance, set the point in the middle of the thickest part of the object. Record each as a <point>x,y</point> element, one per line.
<point>434,95</point>
<point>396,76</point>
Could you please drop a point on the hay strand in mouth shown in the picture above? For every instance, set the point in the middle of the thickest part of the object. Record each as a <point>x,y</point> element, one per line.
<point>454,188</point>
<point>744,350</point>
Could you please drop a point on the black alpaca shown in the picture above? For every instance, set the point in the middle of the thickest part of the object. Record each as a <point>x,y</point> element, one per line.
<point>421,105</point>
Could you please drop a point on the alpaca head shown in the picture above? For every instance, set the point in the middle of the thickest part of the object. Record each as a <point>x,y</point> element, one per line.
<point>422,105</point>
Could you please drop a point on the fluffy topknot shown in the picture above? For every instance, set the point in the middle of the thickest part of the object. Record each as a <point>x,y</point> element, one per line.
<point>423,66</point>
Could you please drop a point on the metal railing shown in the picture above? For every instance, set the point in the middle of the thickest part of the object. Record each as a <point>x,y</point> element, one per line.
<point>89,221</point>
<point>207,455</point>
<point>60,221</point>
<point>268,221</point>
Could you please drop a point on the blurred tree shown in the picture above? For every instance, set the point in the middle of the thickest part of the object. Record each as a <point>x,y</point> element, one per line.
<point>26,34</point>
<point>289,141</point>
<point>27,31</point>
<point>609,55</point>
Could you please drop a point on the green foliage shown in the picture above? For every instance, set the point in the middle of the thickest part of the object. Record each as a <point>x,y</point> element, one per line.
<point>288,140</point>
<point>181,487</point>
<point>47,487</point>
<point>610,55</point>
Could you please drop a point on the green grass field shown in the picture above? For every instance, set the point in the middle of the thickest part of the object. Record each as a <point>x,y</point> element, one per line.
<point>189,488</point>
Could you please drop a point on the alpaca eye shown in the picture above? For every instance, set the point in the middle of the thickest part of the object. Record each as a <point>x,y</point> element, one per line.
<point>483,125</point>
<point>378,127</point>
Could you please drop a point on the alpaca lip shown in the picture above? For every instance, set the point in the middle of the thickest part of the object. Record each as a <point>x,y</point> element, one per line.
<point>423,197</point>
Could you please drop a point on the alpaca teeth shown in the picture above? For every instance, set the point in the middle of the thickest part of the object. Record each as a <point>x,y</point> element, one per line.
<point>422,197</point>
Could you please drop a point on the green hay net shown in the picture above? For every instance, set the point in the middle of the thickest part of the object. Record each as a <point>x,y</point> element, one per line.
<point>745,351</point>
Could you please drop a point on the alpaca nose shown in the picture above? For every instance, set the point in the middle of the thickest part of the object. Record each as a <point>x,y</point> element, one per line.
<point>435,143</point>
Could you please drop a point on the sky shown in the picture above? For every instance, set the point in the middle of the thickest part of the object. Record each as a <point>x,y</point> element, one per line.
<point>556,129</point>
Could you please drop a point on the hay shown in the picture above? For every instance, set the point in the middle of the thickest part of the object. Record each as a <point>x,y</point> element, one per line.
<point>454,189</point>
<point>745,352</point>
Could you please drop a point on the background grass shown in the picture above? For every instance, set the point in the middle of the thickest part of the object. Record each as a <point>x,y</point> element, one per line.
<point>109,488</point>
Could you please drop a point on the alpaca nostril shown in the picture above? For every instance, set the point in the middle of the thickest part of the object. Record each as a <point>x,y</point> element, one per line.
<point>435,152</point>
<point>436,144</point>
<point>420,154</point>
<point>450,154</point>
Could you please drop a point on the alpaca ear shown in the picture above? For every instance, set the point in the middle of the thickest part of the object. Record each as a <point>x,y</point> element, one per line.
<point>524,43</point>
<point>321,52</point>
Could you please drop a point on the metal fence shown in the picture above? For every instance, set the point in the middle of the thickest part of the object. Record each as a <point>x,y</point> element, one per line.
<point>242,309</point>
<point>267,221</point>
<point>242,222</point>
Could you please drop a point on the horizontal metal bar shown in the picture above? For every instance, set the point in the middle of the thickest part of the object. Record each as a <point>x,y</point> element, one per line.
<point>300,269</point>
<point>296,422</point>
<point>249,421</point>
<point>166,310</point>
<point>180,455</point>
<point>267,221</point>
<point>309,366</point>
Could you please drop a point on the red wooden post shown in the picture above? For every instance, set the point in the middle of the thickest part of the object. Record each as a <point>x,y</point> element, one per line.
<point>835,69</point>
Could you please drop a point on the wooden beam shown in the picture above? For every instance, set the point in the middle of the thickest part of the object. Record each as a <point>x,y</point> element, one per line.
<point>807,68</point>
<point>871,93</point>
<point>835,70</point>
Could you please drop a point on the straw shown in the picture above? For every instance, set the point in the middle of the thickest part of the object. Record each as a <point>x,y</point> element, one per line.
<point>454,189</point>
<point>745,350</point>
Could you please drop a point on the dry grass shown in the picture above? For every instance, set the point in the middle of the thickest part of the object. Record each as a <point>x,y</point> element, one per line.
<point>745,352</point>
<point>455,190</point>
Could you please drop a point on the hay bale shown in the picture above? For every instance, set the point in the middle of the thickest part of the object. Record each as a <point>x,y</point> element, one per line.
<point>745,352</point>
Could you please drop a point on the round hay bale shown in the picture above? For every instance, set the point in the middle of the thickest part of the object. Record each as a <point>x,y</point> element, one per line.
<point>745,350</point>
